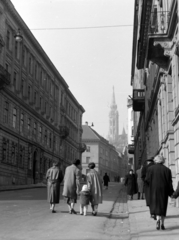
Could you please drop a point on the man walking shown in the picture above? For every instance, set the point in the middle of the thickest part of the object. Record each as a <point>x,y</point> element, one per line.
<point>72,184</point>
<point>106,180</point>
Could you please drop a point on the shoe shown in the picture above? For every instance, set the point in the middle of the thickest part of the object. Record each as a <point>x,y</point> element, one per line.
<point>94,213</point>
<point>53,211</point>
<point>81,213</point>
<point>158,225</point>
<point>154,217</point>
<point>73,211</point>
<point>70,211</point>
<point>162,227</point>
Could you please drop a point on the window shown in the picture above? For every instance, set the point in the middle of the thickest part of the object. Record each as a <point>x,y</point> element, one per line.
<point>5,150</point>
<point>35,97</point>
<point>6,112</point>
<point>21,156</point>
<point>15,80</point>
<point>14,118</point>
<point>45,137</point>
<point>40,102</point>
<point>30,64</point>
<point>24,57</point>
<point>22,122</point>
<point>35,71</point>
<point>16,49</point>
<point>35,128</point>
<point>87,160</point>
<point>54,143</point>
<point>40,132</point>
<point>88,148</point>
<point>14,153</point>
<point>50,140</point>
<point>30,157</point>
<point>28,124</point>
<point>8,40</point>
<point>22,86</point>
<point>29,92</point>
<point>41,77</point>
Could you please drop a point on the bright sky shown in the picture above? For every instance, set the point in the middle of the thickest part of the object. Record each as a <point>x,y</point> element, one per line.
<point>91,60</point>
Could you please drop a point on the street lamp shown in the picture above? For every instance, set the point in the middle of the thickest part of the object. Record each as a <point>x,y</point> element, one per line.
<point>18,37</point>
<point>92,125</point>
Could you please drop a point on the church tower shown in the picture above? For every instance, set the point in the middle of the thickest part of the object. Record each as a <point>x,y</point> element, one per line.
<point>113,122</point>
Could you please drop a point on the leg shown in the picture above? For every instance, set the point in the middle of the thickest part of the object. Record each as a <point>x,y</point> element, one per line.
<point>85,209</point>
<point>138,195</point>
<point>95,210</point>
<point>162,222</point>
<point>131,197</point>
<point>69,205</point>
<point>72,208</point>
<point>158,223</point>
<point>53,208</point>
<point>81,209</point>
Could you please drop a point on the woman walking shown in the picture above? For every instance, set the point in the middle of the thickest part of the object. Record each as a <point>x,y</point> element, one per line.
<point>159,178</point>
<point>130,182</point>
<point>95,185</point>
<point>54,177</point>
<point>140,183</point>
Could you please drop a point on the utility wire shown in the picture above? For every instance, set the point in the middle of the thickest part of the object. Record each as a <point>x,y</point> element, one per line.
<point>74,28</point>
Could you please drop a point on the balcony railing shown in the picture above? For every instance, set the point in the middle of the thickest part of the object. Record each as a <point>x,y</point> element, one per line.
<point>138,100</point>
<point>64,132</point>
<point>4,77</point>
<point>159,22</point>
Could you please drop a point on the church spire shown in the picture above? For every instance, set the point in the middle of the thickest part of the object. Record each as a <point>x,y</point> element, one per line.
<point>113,98</point>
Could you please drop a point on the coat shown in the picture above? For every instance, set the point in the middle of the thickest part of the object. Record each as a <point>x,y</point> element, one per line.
<point>54,177</point>
<point>106,180</point>
<point>84,197</point>
<point>159,178</point>
<point>95,185</point>
<point>140,182</point>
<point>71,182</point>
<point>130,182</point>
<point>146,186</point>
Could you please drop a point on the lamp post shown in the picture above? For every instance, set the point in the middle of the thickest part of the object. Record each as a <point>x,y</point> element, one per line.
<point>92,125</point>
<point>18,37</point>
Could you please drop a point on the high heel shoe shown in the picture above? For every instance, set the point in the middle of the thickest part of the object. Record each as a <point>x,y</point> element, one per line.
<point>158,225</point>
<point>162,227</point>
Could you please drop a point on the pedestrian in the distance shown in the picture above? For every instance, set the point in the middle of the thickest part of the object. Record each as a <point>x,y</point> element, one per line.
<point>106,180</point>
<point>130,182</point>
<point>72,184</point>
<point>140,183</point>
<point>54,177</point>
<point>149,163</point>
<point>84,200</point>
<point>94,183</point>
<point>159,178</point>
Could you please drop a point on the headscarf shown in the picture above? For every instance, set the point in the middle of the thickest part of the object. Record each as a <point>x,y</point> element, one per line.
<point>159,159</point>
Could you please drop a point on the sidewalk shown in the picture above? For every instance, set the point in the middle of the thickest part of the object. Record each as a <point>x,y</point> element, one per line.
<point>143,227</point>
<point>19,187</point>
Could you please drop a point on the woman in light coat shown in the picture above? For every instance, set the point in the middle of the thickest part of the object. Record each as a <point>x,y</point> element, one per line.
<point>54,177</point>
<point>94,183</point>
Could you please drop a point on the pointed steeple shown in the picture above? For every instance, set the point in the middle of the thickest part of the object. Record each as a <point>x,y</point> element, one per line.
<point>113,98</point>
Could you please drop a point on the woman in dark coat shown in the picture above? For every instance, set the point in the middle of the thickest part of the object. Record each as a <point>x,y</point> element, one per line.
<point>131,184</point>
<point>159,178</point>
<point>54,177</point>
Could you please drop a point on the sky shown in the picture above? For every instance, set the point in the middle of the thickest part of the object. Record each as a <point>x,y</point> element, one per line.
<point>90,47</point>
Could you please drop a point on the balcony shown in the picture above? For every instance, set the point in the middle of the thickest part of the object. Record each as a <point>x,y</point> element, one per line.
<point>63,131</point>
<point>131,148</point>
<point>4,77</point>
<point>82,147</point>
<point>138,100</point>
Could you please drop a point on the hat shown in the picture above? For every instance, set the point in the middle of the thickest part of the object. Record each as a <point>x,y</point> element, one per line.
<point>85,188</point>
<point>150,159</point>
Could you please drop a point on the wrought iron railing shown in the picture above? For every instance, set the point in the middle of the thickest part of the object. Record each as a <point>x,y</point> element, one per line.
<point>159,22</point>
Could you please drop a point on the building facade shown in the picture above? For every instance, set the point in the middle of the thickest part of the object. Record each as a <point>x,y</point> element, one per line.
<point>99,151</point>
<point>40,118</point>
<point>130,133</point>
<point>156,99</point>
